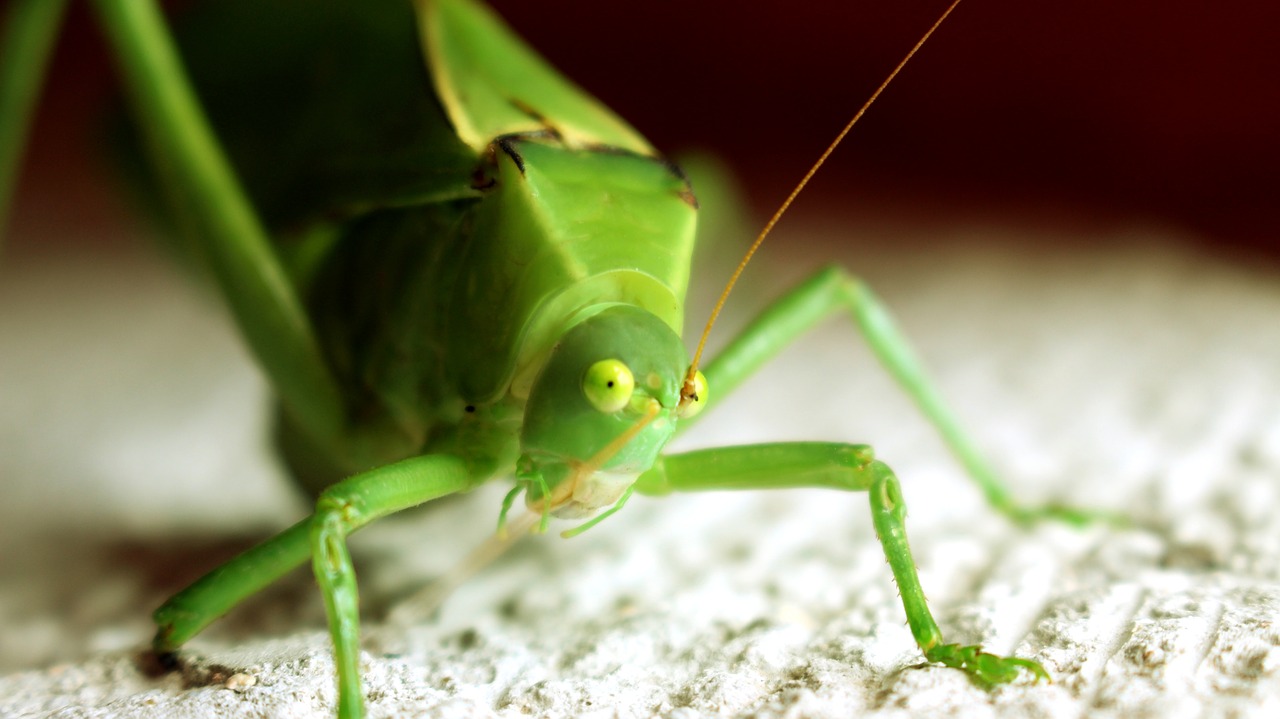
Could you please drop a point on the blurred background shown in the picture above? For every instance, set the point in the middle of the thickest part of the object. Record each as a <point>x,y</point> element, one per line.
<point>1083,112</point>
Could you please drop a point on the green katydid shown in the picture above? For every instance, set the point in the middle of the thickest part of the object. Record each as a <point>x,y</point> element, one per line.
<point>477,272</point>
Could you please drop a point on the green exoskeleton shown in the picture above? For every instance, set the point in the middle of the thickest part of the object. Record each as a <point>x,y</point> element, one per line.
<point>474,271</point>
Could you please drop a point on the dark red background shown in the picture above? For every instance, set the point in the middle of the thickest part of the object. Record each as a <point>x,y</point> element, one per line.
<point>1091,110</point>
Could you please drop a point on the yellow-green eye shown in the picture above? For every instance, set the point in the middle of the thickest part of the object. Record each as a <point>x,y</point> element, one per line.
<point>608,385</point>
<point>695,403</point>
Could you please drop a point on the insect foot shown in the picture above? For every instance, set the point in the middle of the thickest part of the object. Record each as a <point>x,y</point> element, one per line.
<point>155,664</point>
<point>986,670</point>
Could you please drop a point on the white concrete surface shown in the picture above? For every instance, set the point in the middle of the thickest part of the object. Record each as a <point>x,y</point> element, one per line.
<point>1129,374</point>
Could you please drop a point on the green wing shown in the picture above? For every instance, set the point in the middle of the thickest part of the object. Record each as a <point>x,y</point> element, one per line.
<point>325,107</point>
<point>331,108</point>
<point>493,84</point>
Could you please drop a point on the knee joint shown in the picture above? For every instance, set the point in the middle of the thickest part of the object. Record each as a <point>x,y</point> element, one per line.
<point>856,456</point>
<point>886,492</point>
<point>340,507</point>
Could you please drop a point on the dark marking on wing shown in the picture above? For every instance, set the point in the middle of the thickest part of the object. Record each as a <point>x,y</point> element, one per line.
<point>507,144</point>
<point>687,197</point>
<point>685,193</point>
<point>482,178</point>
<point>547,125</point>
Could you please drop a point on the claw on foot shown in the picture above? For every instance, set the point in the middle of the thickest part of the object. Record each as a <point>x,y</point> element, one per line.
<point>155,664</point>
<point>985,670</point>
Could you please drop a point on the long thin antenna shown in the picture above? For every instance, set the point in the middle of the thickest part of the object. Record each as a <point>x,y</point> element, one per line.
<point>687,393</point>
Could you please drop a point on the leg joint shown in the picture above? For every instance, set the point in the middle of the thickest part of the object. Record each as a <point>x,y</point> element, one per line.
<point>856,456</point>
<point>342,508</point>
<point>855,463</point>
<point>886,491</point>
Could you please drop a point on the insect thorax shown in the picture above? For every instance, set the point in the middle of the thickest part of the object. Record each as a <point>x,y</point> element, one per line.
<point>428,310</point>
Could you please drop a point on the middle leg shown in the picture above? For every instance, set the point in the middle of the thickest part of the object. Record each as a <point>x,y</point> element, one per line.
<point>829,291</point>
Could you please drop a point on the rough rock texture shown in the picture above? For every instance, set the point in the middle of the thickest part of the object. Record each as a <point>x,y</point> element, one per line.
<point>1136,376</point>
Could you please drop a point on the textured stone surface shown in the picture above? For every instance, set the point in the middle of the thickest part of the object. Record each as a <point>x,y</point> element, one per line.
<point>1135,376</point>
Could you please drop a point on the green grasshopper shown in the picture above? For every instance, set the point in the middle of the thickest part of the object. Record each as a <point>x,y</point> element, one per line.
<point>474,271</point>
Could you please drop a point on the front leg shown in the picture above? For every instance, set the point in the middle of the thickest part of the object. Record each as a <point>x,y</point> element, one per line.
<point>344,508</point>
<point>851,468</point>
<point>833,289</point>
<point>340,510</point>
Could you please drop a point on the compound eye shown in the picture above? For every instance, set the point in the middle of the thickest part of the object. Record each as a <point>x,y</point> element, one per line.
<point>608,385</point>
<point>694,404</point>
